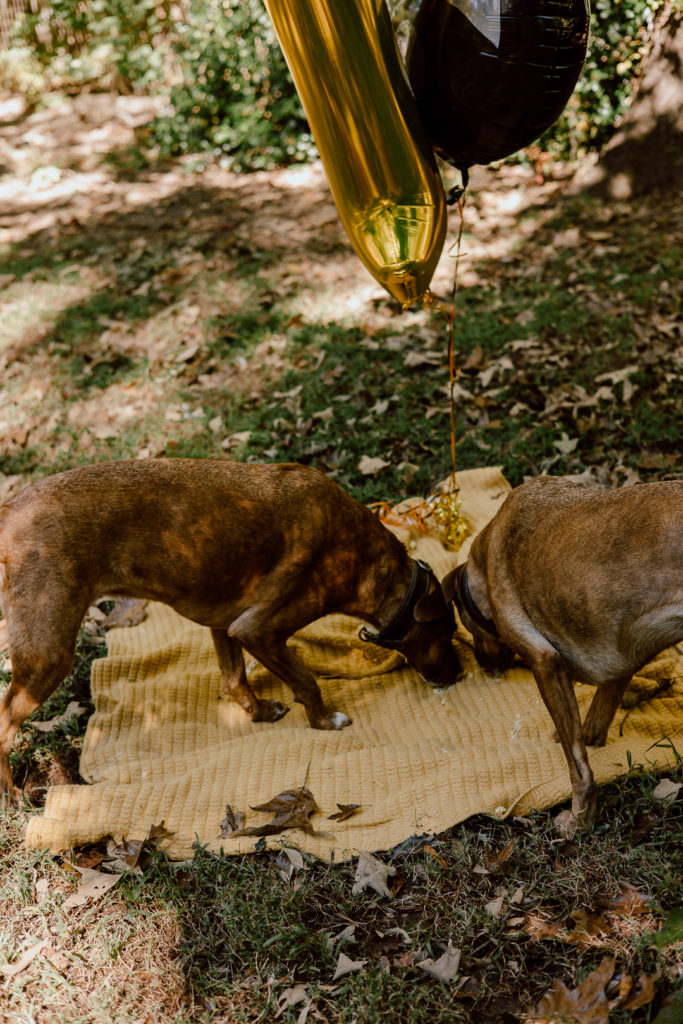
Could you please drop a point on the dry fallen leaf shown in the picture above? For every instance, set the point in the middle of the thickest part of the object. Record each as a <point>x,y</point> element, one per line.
<point>41,890</point>
<point>643,825</point>
<point>295,858</point>
<point>92,886</point>
<point>495,860</point>
<point>59,960</point>
<point>127,611</point>
<point>589,929</point>
<point>345,965</point>
<point>290,997</point>
<point>632,901</point>
<point>589,1003</point>
<point>586,1004</point>
<point>667,790</point>
<point>232,822</point>
<point>475,359</point>
<point>642,993</point>
<point>292,809</point>
<point>128,851</point>
<point>369,466</point>
<point>539,928</point>
<point>433,853</point>
<point>373,874</point>
<point>89,857</point>
<point>347,934</point>
<point>158,832</point>
<point>446,967</point>
<point>290,800</point>
<point>289,863</point>
<point>10,970</point>
<point>73,709</point>
<point>416,358</point>
<point>495,906</point>
<point>345,811</point>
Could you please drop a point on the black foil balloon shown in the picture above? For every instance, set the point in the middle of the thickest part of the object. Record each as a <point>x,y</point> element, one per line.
<point>490,76</point>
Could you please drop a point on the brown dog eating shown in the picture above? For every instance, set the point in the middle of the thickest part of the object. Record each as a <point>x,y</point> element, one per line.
<point>583,585</point>
<point>254,552</point>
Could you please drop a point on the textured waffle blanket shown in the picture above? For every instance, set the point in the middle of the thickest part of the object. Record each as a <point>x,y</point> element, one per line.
<point>161,746</point>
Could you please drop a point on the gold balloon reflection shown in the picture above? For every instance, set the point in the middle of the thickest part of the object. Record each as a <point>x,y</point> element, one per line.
<point>343,58</point>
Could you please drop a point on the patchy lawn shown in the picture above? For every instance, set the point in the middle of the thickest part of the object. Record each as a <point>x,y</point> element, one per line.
<point>149,310</point>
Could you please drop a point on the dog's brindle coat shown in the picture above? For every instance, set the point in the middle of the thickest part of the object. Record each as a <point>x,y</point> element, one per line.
<point>583,585</point>
<point>254,552</point>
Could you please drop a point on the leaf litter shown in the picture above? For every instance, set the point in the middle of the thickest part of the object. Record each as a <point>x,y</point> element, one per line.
<point>595,997</point>
<point>345,812</point>
<point>372,873</point>
<point>446,967</point>
<point>628,916</point>
<point>291,809</point>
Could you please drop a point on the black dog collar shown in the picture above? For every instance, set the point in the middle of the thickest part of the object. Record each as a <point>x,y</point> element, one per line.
<point>394,635</point>
<point>465,594</point>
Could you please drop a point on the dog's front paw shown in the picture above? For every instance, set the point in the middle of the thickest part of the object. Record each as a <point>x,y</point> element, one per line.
<point>566,824</point>
<point>334,720</point>
<point>269,711</point>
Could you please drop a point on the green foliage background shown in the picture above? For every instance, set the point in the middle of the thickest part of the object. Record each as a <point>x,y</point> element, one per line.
<point>235,99</point>
<point>619,33</point>
<point>231,95</point>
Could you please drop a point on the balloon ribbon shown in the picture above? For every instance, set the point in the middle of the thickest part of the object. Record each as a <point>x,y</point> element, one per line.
<point>442,506</point>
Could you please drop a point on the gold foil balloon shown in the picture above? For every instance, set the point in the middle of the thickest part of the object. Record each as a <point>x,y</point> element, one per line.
<point>343,58</point>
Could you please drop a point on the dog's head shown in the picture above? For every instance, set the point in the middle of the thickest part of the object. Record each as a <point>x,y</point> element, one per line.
<point>422,630</point>
<point>492,654</point>
<point>429,643</point>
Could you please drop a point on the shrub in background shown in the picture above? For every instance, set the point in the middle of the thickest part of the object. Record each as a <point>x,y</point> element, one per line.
<point>619,33</point>
<point>231,95</point>
<point>21,74</point>
<point>236,100</point>
<point>109,44</point>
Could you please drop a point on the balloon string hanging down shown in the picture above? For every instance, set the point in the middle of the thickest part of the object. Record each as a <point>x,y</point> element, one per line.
<point>442,507</point>
<point>446,506</point>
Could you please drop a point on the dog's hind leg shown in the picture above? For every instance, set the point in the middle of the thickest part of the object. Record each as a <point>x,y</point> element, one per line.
<point>556,689</point>
<point>35,675</point>
<point>43,616</point>
<point>603,707</point>
<point>234,680</point>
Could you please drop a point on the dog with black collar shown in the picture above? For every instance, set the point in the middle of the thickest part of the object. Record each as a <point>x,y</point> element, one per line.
<point>253,552</point>
<point>583,585</point>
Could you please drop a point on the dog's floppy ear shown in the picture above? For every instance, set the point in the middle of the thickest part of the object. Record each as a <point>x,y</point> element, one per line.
<point>429,607</point>
<point>449,584</point>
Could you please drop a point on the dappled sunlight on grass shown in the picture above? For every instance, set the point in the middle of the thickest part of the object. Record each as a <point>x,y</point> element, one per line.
<point>28,307</point>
